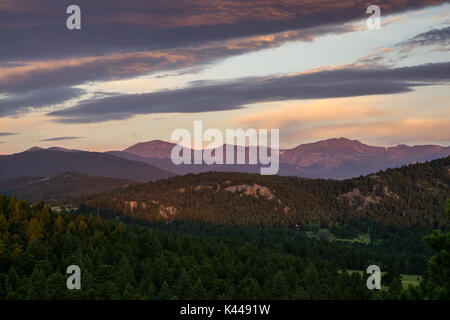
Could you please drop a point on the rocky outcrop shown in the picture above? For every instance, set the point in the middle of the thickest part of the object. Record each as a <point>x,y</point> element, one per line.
<point>357,200</point>
<point>131,205</point>
<point>167,212</point>
<point>254,190</point>
<point>390,193</point>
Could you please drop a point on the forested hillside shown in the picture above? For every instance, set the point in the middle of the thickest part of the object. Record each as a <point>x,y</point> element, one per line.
<point>128,262</point>
<point>59,188</point>
<point>122,261</point>
<point>47,163</point>
<point>410,196</point>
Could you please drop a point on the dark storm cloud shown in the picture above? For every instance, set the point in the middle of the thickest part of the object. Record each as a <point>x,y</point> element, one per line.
<point>21,79</point>
<point>126,38</point>
<point>36,29</point>
<point>60,139</point>
<point>76,71</point>
<point>207,96</point>
<point>13,105</point>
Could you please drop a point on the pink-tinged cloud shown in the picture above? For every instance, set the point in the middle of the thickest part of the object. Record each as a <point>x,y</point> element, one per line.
<point>229,95</point>
<point>111,26</point>
<point>24,79</point>
<point>299,114</point>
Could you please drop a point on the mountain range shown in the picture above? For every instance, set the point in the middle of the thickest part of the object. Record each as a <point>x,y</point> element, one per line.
<point>337,158</point>
<point>47,163</point>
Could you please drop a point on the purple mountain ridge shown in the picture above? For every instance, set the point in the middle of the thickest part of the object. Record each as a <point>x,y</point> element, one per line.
<point>337,158</point>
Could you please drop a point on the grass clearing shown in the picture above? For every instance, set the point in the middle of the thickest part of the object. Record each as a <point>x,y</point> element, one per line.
<point>406,279</point>
<point>362,238</point>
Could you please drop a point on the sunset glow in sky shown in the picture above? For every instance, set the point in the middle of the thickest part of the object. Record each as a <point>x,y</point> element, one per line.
<point>137,70</point>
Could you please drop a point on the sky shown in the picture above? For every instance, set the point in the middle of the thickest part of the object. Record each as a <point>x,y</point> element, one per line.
<point>137,70</point>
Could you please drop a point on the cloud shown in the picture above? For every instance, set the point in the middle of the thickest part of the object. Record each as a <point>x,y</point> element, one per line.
<point>392,20</point>
<point>438,37</point>
<point>60,139</point>
<point>14,104</point>
<point>314,112</point>
<point>124,39</point>
<point>28,83</point>
<point>114,66</point>
<point>207,96</point>
<point>380,120</point>
<point>70,72</point>
<point>137,25</point>
<point>374,59</point>
<point>6,134</point>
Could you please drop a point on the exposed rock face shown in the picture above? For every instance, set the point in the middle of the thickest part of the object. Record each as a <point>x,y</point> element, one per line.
<point>168,212</point>
<point>360,201</point>
<point>255,191</point>
<point>390,193</point>
<point>131,205</point>
<point>357,200</point>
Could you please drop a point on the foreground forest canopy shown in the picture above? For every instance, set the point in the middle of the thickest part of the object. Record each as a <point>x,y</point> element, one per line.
<point>188,261</point>
<point>236,236</point>
<point>410,196</point>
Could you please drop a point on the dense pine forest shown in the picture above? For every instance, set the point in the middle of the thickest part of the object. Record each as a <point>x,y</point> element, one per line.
<point>189,260</point>
<point>236,236</point>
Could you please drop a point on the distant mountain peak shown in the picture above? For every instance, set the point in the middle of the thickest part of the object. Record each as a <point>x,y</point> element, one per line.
<point>151,149</point>
<point>35,148</point>
<point>336,158</point>
<point>335,145</point>
<point>340,141</point>
<point>62,149</point>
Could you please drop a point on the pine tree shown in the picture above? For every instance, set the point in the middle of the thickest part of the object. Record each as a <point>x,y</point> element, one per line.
<point>165,293</point>
<point>278,286</point>
<point>185,286</point>
<point>38,290</point>
<point>59,224</point>
<point>198,291</point>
